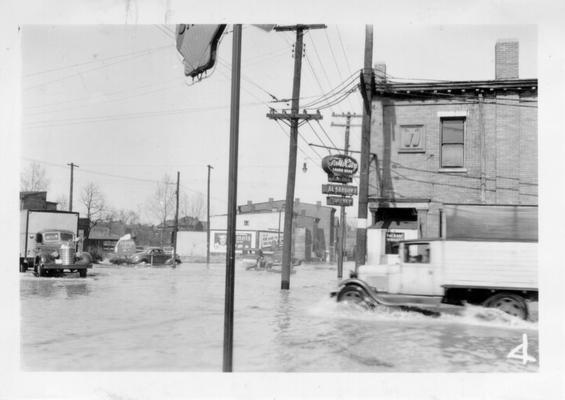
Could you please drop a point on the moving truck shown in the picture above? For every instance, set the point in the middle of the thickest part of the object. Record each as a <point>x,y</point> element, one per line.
<point>492,266</point>
<point>49,243</point>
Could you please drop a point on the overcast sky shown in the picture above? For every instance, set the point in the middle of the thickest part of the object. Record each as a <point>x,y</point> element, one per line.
<point>114,100</point>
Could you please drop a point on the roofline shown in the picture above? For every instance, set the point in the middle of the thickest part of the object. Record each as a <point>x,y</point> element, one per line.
<point>498,84</point>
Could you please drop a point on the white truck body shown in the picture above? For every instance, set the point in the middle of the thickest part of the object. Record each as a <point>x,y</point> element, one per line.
<point>493,265</point>
<point>34,221</point>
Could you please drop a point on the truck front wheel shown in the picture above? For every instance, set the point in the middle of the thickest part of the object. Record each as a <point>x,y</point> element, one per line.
<point>355,295</point>
<point>510,303</point>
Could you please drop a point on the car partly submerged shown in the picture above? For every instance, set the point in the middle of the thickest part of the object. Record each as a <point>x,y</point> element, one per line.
<point>150,255</point>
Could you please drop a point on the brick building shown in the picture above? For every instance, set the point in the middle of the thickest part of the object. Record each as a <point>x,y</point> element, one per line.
<point>467,142</point>
<point>319,219</point>
<point>36,201</point>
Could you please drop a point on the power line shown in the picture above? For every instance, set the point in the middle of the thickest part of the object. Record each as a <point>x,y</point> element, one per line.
<point>118,117</point>
<point>107,100</point>
<point>342,48</point>
<point>92,69</point>
<point>94,61</point>
<point>319,138</point>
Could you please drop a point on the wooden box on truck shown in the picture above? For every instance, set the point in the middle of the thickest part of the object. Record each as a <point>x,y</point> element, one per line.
<point>489,264</point>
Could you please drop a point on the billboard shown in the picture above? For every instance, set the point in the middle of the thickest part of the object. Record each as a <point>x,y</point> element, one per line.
<point>243,240</point>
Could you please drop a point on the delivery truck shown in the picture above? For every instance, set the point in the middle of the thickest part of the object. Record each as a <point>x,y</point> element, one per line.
<point>49,243</point>
<point>493,267</point>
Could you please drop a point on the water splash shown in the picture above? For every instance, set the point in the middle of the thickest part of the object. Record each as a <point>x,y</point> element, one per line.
<point>469,315</point>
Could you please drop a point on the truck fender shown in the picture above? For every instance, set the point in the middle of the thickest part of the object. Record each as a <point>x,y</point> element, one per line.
<point>373,296</point>
<point>84,258</point>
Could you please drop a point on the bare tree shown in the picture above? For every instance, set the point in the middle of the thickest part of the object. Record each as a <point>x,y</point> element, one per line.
<point>128,217</point>
<point>94,202</point>
<point>161,205</point>
<point>62,203</point>
<point>33,178</point>
<point>192,206</point>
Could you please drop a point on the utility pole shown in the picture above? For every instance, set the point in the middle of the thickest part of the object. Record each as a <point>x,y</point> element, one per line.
<point>232,199</point>
<point>208,218</point>
<point>367,92</point>
<point>72,165</point>
<point>176,224</point>
<point>343,234</point>
<point>294,118</point>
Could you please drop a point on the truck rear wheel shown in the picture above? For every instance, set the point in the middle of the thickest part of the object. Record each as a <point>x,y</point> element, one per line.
<point>82,272</point>
<point>510,303</point>
<point>40,270</point>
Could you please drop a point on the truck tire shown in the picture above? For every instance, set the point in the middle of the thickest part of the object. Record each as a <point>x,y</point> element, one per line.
<point>510,303</point>
<point>355,295</point>
<point>23,267</point>
<point>40,270</point>
<point>82,272</point>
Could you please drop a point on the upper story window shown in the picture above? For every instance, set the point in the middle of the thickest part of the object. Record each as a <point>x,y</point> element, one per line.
<point>452,142</point>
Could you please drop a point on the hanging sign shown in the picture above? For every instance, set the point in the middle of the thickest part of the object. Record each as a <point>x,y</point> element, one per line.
<point>340,165</point>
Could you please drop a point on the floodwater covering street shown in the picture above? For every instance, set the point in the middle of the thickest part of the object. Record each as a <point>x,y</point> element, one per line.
<point>143,318</point>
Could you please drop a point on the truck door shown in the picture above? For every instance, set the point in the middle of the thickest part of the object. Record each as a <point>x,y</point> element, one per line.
<point>417,275</point>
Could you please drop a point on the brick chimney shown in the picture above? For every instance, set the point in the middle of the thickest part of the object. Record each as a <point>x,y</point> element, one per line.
<point>506,59</point>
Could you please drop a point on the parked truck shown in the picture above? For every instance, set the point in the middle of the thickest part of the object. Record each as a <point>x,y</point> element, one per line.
<point>49,243</point>
<point>495,266</point>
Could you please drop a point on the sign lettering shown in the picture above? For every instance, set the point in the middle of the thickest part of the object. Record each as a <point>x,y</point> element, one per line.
<point>339,164</point>
<point>339,189</point>
<point>339,201</point>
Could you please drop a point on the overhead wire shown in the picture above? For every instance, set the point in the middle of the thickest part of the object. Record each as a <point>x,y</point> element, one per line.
<point>79,73</point>
<point>97,60</point>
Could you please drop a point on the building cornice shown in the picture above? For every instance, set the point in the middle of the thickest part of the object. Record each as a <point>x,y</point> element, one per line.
<point>455,87</point>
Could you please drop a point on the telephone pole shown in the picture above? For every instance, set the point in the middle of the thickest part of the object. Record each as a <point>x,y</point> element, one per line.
<point>208,218</point>
<point>367,92</point>
<point>72,165</point>
<point>176,224</point>
<point>343,230</point>
<point>294,118</point>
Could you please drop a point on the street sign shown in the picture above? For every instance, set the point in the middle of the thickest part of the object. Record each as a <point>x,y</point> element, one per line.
<point>339,189</point>
<point>339,179</point>
<point>197,44</point>
<point>339,201</point>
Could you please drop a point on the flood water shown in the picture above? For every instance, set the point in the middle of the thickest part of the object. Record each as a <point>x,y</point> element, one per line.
<point>163,319</point>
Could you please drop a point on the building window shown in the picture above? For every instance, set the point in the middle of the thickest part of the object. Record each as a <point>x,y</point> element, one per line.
<point>452,142</point>
<point>411,138</point>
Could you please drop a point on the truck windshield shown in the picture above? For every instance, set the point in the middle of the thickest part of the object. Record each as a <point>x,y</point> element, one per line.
<point>66,236</point>
<point>417,253</point>
<point>51,236</point>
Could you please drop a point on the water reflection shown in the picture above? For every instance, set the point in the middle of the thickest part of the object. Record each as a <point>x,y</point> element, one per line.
<point>52,287</point>
<point>77,289</point>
